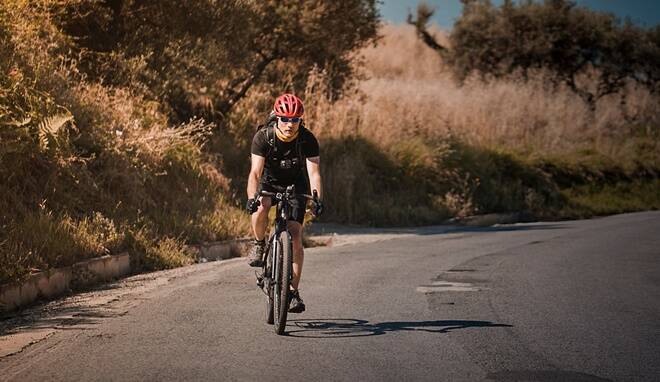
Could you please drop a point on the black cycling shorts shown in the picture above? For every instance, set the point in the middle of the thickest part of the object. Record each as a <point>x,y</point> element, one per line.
<point>299,205</point>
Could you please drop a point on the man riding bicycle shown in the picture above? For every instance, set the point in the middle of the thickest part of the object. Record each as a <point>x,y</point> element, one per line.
<point>284,152</point>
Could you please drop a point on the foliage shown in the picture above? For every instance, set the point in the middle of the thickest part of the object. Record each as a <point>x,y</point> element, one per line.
<point>568,40</point>
<point>102,148</point>
<point>204,60</point>
<point>612,198</point>
<point>156,253</point>
<point>589,52</point>
<point>414,147</point>
<point>85,164</point>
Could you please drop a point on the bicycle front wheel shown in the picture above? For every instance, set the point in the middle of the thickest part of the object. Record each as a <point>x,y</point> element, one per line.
<point>282,281</point>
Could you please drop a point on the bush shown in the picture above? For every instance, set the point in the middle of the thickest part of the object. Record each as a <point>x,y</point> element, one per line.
<point>152,252</point>
<point>41,240</point>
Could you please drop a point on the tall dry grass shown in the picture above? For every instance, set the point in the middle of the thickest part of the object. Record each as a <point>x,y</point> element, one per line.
<point>410,145</point>
<point>408,88</point>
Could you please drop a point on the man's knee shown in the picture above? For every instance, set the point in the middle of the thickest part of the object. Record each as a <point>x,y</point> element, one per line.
<point>264,206</point>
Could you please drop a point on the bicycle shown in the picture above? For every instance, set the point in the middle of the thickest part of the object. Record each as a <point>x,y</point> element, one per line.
<point>277,270</point>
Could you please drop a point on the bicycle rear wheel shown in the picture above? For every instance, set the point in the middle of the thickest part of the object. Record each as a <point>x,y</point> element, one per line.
<point>282,281</point>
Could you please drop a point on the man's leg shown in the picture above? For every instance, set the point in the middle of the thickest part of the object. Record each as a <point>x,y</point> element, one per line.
<point>259,221</point>
<point>295,229</point>
<point>260,218</point>
<point>297,304</point>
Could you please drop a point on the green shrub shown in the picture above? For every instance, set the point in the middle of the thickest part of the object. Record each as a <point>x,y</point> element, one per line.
<point>41,240</point>
<point>151,252</point>
<point>612,198</point>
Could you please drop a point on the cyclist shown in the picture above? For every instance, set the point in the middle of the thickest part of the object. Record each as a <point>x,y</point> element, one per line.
<point>284,152</point>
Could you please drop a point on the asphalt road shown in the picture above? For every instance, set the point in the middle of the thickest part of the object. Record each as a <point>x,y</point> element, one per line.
<point>561,301</point>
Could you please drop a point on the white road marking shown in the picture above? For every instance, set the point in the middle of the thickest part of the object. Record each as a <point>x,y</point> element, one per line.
<point>448,286</point>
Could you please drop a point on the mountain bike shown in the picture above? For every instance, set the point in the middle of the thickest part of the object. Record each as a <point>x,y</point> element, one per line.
<point>277,270</point>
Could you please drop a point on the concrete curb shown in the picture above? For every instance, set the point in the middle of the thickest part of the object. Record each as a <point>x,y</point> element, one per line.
<point>492,219</point>
<point>220,250</point>
<point>56,282</point>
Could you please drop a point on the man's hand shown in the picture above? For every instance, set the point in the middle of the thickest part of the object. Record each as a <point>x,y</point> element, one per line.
<point>318,208</point>
<point>252,205</point>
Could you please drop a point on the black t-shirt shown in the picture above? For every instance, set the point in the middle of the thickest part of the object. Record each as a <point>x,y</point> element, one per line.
<point>285,161</point>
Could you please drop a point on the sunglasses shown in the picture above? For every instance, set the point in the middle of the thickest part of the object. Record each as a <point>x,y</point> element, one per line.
<point>286,119</point>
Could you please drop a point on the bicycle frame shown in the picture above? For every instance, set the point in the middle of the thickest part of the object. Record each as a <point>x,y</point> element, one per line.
<point>281,220</point>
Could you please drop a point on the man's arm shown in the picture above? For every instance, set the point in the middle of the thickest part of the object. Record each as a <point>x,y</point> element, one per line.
<point>256,169</point>
<point>314,172</point>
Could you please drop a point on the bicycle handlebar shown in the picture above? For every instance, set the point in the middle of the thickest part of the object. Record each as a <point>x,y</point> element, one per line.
<point>283,191</point>
<point>313,198</point>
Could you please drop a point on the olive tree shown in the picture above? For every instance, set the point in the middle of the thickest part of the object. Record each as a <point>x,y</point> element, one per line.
<point>569,41</point>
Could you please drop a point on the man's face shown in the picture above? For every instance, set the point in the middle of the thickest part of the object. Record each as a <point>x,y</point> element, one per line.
<point>287,126</point>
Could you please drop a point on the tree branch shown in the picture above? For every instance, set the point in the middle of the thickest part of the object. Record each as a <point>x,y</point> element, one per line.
<point>424,13</point>
<point>240,86</point>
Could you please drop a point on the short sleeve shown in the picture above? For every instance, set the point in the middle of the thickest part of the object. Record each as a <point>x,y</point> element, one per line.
<point>311,146</point>
<point>259,144</point>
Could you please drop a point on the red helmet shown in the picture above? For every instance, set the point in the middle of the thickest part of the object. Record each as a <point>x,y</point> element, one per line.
<point>288,105</point>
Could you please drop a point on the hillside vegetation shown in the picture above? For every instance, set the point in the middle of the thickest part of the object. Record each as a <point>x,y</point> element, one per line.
<point>126,126</point>
<point>107,107</point>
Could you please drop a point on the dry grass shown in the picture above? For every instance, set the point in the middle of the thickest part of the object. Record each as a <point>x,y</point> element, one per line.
<point>411,145</point>
<point>401,56</point>
<point>408,89</point>
<point>42,239</point>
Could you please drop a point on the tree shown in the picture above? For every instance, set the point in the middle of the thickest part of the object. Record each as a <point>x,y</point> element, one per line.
<point>202,56</point>
<point>568,40</point>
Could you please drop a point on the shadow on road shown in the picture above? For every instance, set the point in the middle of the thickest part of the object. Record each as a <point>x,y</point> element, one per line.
<point>57,316</point>
<point>347,327</point>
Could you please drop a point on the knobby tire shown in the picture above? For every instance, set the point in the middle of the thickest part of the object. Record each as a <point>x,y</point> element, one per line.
<point>283,279</point>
